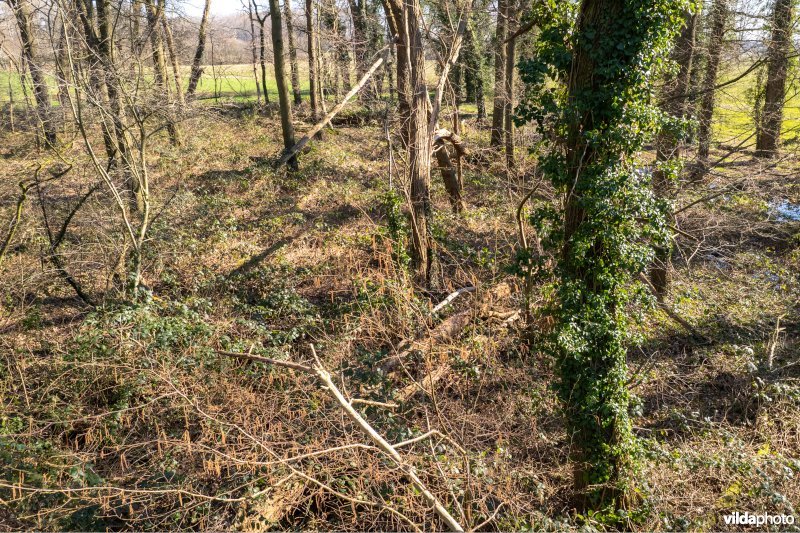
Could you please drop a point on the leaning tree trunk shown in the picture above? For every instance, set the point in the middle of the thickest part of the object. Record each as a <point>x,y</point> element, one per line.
<point>287,12</point>
<point>284,101</point>
<point>23,12</point>
<point>719,20</point>
<point>674,103</point>
<point>769,134</point>
<point>197,69</point>
<point>498,109</point>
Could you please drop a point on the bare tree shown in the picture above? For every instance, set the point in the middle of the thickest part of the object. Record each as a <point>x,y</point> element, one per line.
<point>287,11</point>
<point>313,72</point>
<point>23,13</point>
<point>154,14</point>
<point>287,127</point>
<point>197,69</point>
<point>262,58</point>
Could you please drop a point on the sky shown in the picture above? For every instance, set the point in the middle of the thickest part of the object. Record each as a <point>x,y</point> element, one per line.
<point>194,8</point>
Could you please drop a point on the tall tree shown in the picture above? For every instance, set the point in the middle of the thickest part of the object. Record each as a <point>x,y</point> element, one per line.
<point>285,103</point>
<point>473,73</point>
<point>508,100</point>
<point>498,107</point>
<point>674,103</point>
<point>287,12</point>
<point>262,44</point>
<point>718,24</point>
<point>197,69</point>
<point>173,55</point>
<point>313,73</point>
<point>769,132</point>
<point>154,14</point>
<point>601,118</point>
<point>251,16</point>
<point>23,13</point>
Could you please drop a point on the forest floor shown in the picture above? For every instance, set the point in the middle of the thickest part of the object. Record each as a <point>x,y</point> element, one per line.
<point>125,415</point>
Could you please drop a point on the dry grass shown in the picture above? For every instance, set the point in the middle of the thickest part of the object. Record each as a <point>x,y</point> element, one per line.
<point>125,418</point>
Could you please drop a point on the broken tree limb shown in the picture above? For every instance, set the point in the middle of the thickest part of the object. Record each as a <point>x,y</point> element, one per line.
<point>333,112</point>
<point>12,230</point>
<point>452,296</point>
<point>327,384</point>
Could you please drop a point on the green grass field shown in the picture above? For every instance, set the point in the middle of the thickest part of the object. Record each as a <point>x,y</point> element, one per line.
<point>733,116</point>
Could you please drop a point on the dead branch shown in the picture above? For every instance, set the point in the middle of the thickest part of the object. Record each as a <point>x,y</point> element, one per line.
<point>333,112</point>
<point>327,384</point>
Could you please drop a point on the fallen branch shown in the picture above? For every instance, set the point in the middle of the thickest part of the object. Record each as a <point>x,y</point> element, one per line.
<point>452,296</point>
<point>327,384</point>
<point>333,112</point>
<point>12,230</point>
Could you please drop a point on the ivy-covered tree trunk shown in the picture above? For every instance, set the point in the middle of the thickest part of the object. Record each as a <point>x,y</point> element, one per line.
<point>769,132</point>
<point>284,101</point>
<point>719,21</point>
<point>498,108</point>
<point>600,119</point>
<point>674,103</point>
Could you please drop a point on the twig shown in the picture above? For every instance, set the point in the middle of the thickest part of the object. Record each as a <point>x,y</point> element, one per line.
<point>492,517</point>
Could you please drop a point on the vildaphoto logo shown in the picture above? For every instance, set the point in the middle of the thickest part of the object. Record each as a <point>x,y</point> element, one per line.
<point>751,519</point>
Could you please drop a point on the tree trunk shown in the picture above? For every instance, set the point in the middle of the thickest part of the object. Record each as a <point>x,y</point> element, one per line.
<point>600,430</point>
<point>674,103</point>
<point>262,58</point>
<point>173,57</point>
<point>472,72</point>
<point>287,11</point>
<point>498,109</point>
<point>313,79</point>
<point>253,51</point>
<point>719,20</point>
<point>284,100</point>
<point>769,134</point>
<point>197,69</point>
<point>508,104</point>
<point>423,249</point>
<point>23,12</point>
<point>159,65</point>
<point>358,11</point>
